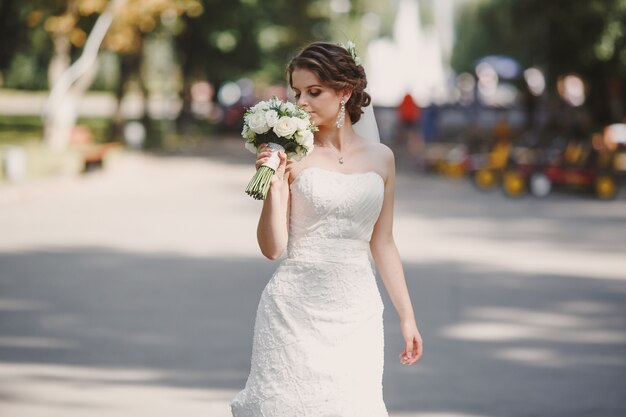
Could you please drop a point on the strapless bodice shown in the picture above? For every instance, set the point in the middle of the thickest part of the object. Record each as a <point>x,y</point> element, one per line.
<point>333,214</point>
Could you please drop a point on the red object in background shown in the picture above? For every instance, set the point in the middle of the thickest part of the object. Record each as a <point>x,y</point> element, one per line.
<point>408,111</point>
<point>570,176</point>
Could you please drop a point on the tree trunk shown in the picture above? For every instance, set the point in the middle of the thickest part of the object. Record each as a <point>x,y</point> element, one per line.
<point>62,119</point>
<point>61,109</point>
<point>60,61</point>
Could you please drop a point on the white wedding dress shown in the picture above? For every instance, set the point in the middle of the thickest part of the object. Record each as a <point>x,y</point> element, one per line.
<point>318,336</point>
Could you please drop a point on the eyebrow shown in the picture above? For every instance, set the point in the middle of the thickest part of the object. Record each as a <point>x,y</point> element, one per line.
<point>309,86</point>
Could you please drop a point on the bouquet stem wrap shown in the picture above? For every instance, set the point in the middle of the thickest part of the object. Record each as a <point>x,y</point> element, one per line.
<point>260,182</point>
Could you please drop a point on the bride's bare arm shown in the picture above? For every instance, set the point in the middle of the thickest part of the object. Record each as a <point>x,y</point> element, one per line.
<point>272,230</point>
<point>389,266</point>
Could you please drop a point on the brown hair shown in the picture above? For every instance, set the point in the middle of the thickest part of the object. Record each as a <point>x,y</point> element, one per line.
<point>335,67</point>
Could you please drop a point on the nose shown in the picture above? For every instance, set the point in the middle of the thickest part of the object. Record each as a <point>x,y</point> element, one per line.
<point>301,102</point>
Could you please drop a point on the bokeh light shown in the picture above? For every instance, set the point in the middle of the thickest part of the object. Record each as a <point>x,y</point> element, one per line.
<point>535,80</point>
<point>229,93</point>
<point>340,6</point>
<point>572,88</point>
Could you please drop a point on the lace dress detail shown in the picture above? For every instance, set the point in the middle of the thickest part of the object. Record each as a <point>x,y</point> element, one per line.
<point>318,345</point>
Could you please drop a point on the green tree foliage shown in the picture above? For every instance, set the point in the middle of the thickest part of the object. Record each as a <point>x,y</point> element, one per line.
<point>25,47</point>
<point>235,37</point>
<point>559,36</point>
<point>33,32</point>
<point>9,29</point>
<point>215,39</point>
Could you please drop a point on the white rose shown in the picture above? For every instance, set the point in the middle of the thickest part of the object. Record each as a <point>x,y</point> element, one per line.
<point>250,146</point>
<point>262,105</point>
<point>308,144</point>
<point>302,124</point>
<point>288,107</point>
<point>257,123</point>
<point>285,127</point>
<point>304,138</point>
<point>271,117</point>
<point>247,133</point>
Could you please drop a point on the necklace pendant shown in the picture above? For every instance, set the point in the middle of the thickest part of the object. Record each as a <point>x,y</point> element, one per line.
<point>341,159</point>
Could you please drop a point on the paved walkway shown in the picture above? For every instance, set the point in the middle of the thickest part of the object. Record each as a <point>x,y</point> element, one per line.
<point>132,292</point>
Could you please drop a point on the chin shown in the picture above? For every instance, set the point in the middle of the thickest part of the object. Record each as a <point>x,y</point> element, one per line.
<point>316,120</point>
<point>319,122</point>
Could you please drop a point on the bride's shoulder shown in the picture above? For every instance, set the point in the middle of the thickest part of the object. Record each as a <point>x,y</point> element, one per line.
<point>381,157</point>
<point>380,150</point>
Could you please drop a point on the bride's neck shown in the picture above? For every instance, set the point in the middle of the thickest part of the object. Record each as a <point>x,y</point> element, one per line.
<point>337,138</point>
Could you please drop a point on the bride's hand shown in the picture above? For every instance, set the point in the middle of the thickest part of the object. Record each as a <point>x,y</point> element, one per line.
<point>264,154</point>
<point>413,343</point>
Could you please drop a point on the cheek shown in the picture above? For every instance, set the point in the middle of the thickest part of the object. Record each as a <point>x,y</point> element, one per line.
<point>325,107</point>
<point>323,104</point>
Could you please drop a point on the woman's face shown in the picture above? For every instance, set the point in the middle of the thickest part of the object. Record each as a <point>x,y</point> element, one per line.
<point>321,101</point>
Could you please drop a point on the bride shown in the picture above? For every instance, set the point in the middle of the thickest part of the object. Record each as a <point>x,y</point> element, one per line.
<point>318,336</point>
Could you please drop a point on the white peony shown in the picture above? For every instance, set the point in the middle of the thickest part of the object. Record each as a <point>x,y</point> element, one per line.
<point>250,146</point>
<point>271,117</point>
<point>285,127</point>
<point>257,123</point>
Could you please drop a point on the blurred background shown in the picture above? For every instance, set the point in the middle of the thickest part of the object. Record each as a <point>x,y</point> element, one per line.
<point>129,271</point>
<point>526,95</point>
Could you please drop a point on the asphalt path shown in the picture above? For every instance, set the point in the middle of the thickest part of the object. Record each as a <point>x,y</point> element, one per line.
<point>133,292</point>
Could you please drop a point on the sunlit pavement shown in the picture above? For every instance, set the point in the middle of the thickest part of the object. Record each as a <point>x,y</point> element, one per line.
<point>132,292</point>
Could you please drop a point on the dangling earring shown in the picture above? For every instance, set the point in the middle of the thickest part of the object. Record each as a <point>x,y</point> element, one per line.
<point>342,114</point>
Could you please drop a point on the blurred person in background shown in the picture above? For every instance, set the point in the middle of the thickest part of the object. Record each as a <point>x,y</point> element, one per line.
<point>408,118</point>
<point>408,132</point>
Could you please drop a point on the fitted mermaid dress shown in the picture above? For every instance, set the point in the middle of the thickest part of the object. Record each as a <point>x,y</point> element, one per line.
<point>318,345</point>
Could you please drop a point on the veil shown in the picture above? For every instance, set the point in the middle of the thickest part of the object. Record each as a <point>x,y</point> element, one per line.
<point>367,127</point>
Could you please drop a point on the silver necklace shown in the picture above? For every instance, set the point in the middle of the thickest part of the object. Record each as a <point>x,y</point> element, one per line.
<point>335,150</point>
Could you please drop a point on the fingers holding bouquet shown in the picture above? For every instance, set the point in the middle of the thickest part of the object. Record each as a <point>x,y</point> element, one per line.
<point>263,156</point>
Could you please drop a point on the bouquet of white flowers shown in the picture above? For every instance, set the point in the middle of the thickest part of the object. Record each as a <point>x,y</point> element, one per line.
<point>283,126</point>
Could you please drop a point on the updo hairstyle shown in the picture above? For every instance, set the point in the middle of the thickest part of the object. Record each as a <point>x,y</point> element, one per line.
<point>335,67</point>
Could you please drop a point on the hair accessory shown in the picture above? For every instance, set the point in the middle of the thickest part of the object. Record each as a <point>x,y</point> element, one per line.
<point>351,48</point>
<point>342,114</point>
